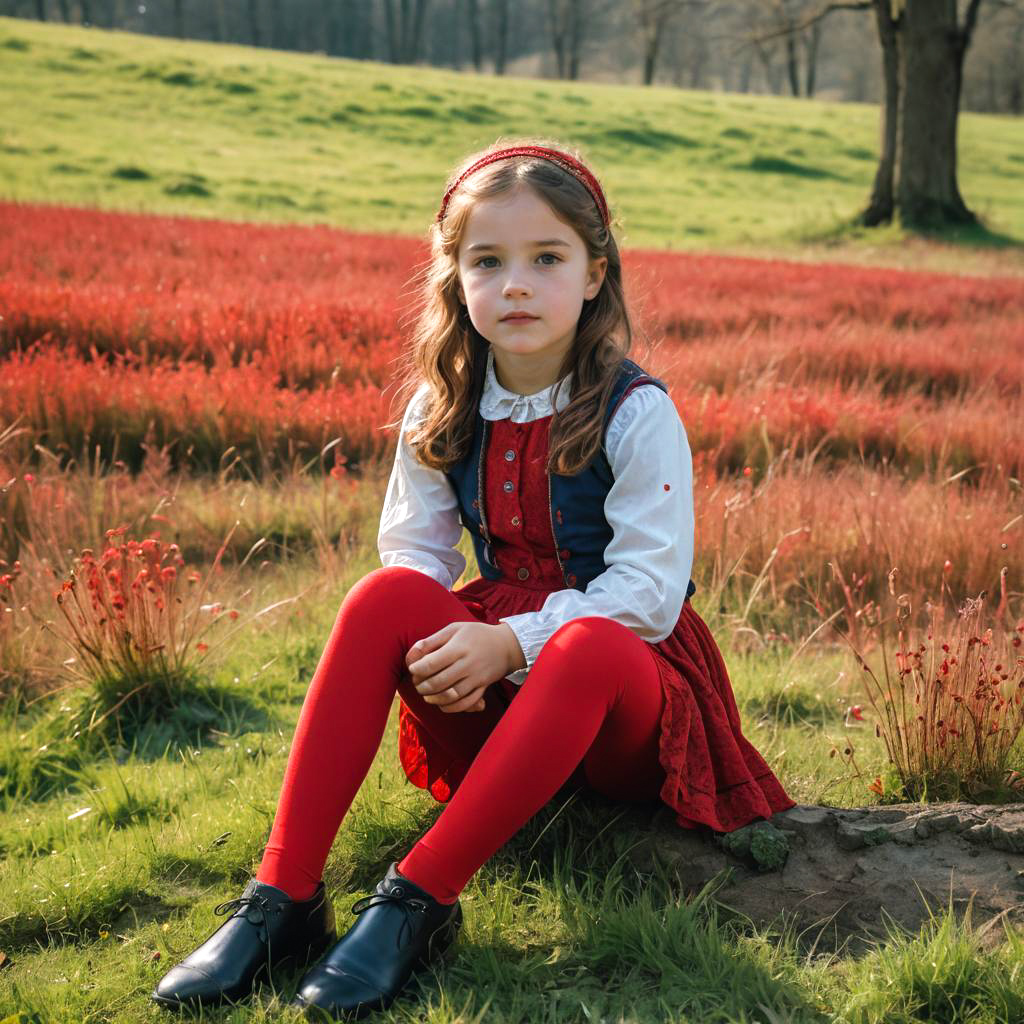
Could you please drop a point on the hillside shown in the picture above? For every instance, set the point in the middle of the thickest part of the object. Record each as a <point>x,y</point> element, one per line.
<point>140,123</point>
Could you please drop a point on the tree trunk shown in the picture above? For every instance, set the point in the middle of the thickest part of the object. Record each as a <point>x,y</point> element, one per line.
<point>931,50</point>
<point>556,20</point>
<point>575,38</point>
<point>1016,93</point>
<point>650,56</point>
<point>811,41</point>
<point>475,40</point>
<point>416,35</point>
<point>880,205</point>
<point>254,23</point>
<point>766,55</point>
<point>792,68</point>
<point>391,27</point>
<point>41,10</point>
<point>65,9</point>
<point>86,7</point>
<point>746,71</point>
<point>501,36</point>
<point>179,18</point>
<point>220,21</point>
<point>278,33</point>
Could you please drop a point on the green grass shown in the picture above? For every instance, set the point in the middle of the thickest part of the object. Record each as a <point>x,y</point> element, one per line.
<point>95,905</point>
<point>142,123</point>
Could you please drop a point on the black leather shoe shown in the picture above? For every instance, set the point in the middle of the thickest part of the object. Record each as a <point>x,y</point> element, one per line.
<point>266,931</point>
<point>404,929</point>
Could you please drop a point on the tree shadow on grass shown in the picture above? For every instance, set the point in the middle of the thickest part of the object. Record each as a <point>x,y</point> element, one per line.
<point>978,236</point>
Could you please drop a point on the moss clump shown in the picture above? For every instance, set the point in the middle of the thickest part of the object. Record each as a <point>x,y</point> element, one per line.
<point>760,842</point>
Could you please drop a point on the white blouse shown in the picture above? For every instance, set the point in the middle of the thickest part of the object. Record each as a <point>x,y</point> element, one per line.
<point>650,556</point>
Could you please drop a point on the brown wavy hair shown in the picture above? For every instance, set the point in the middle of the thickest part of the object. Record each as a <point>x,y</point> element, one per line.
<point>450,355</point>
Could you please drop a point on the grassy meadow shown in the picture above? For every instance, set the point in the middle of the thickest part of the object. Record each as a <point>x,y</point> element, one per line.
<point>223,386</point>
<point>141,123</point>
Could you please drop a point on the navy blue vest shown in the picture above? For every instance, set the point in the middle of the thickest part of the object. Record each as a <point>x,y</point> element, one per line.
<point>576,503</point>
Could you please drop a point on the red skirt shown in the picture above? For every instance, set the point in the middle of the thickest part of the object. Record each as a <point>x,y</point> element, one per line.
<point>713,775</point>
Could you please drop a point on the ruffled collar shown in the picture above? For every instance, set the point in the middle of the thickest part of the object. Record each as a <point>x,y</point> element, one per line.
<point>497,403</point>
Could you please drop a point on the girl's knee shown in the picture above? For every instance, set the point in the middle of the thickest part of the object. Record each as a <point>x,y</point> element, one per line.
<point>597,634</point>
<point>596,656</point>
<point>390,585</point>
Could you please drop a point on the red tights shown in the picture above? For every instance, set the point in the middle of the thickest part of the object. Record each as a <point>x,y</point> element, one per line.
<point>593,695</point>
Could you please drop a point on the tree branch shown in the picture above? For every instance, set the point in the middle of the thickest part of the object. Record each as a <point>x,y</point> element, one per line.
<point>970,21</point>
<point>799,26</point>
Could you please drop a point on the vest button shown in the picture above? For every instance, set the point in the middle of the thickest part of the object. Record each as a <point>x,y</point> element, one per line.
<point>510,455</point>
<point>523,573</point>
<point>564,553</point>
<point>508,485</point>
<point>571,580</point>
<point>515,520</point>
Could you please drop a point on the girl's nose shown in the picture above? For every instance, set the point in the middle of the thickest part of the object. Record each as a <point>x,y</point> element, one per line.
<point>515,286</point>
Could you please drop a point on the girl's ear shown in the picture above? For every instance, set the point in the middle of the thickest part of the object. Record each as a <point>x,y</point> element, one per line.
<point>595,277</point>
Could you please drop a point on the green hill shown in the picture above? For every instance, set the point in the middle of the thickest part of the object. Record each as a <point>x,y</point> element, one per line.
<point>135,122</point>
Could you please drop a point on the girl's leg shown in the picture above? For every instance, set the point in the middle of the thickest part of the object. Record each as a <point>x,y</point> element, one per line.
<point>594,694</point>
<point>346,709</point>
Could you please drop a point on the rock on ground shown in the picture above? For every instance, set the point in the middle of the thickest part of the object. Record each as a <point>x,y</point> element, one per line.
<point>841,874</point>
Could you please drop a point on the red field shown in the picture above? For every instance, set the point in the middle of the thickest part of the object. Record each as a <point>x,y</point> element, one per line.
<point>879,412</point>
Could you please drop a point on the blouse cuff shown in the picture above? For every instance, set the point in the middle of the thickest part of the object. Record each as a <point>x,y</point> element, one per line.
<point>531,640</point>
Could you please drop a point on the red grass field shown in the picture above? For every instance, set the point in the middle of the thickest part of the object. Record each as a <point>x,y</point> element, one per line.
<point>865,416</point>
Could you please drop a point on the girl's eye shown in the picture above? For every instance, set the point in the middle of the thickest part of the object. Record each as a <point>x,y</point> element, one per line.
<point>555,259</point>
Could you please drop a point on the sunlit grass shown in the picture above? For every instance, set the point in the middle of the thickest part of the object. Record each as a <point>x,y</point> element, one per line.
<point>143,123</point>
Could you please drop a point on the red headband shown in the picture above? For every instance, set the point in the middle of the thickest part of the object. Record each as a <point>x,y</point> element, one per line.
<point>563,160</point>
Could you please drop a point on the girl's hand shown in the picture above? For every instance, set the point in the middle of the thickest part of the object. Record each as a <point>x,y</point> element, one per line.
<point>454,666</point>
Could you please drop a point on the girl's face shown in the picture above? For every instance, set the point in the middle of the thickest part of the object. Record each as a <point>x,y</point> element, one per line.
<point>516,256</point>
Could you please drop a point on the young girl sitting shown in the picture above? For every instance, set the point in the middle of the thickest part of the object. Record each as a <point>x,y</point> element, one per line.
<point>574,657</point>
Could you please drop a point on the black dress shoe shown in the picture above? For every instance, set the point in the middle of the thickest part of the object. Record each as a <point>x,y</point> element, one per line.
<point>267,930</point>
<point>404,929</point>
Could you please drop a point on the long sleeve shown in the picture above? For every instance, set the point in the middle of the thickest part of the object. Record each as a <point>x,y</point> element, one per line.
<point>650,556</point>
<point>419,523</point>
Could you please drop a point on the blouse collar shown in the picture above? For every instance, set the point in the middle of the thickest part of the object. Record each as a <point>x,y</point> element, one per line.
<point>497,403</point>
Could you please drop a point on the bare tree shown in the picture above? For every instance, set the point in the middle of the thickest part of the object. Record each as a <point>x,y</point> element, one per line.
<point>565,18</point>
<point>923,47</point>
<point>500,36</point>
<point>654,17</point>
<point>404,24</point>
<point>255,29</point>
<point>475,40</point>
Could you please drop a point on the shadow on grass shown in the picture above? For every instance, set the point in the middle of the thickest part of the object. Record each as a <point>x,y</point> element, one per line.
<point>977,236</point>
<point>49,755</point>
<point>792,706</point>
<point>625,941</point>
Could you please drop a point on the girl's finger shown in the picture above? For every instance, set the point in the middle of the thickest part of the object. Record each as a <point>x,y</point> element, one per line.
<point>466,702</point>
<point>437,684</point>
<point>451,693</point>
<point>427,644</point>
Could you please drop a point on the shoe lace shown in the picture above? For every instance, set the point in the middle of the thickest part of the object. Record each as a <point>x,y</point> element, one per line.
<point>255,900</point>
<point>410,904</point>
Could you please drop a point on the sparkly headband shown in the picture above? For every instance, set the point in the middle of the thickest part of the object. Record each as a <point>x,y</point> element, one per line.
<point>555,156</point>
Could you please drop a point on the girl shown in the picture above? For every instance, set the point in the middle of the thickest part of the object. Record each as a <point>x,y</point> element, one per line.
<point>575,657</point>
